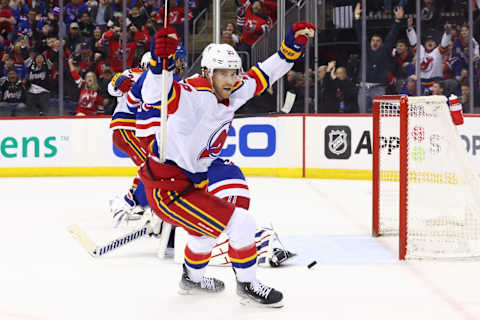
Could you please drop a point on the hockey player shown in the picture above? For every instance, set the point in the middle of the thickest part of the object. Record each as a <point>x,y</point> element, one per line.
<point>199,118</point>
<point>125,137</point>
<point>431,55</point>
<point>123,125</point>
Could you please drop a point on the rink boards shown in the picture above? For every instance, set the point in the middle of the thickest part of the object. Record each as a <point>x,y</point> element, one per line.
<point>316,146</point>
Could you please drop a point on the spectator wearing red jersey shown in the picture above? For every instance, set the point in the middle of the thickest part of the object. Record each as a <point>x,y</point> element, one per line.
<point>7,21</point>
<point>176,16</point>
<point>269,8</point>
<point>112,40</point>
<point>256,23</point>
<point>90,102</point>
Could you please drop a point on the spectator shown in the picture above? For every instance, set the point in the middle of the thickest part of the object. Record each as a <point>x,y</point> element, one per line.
<point>410,87</point>
<point>430,15</point>
<point>236,39</point>
<point>109,102</point>
<point>460,51</point>
<point>12,94</point>
<point>378,56</point>
<point>28,24</point>
<point>256,23</point>
<point>149,28</point>
<point>86,26</point>
<point>7,21</point>
<point>138,17</point>
<point>10,64</point>
<point>73,11</point>
<point>299,91</point>
<point>269,8</point>
<point>431,55</point>
<point>98,14</point>
<point>20,52</point>
<point>339,95</point>
<point>465,98</point>
<point>5,46</point>
<point>176,16</point>
<point>402,57</point>
<point>228,38</point>
<point>90,101</point>
<point>180,57</point>
<point>74,38</point>
<point>242,6</point>
<point>38,82</point>
<point>52,20</point>
<point>111,39</point>
<point>40,39</point>
<point>437,88</point>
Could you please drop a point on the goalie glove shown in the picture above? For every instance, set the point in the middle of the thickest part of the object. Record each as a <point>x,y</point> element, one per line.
<point>295,40</point>
<point>122,83</point>
<point>163,46</point>
<point>455,110</point>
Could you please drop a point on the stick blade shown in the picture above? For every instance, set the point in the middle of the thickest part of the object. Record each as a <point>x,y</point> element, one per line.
<point>83,239</point>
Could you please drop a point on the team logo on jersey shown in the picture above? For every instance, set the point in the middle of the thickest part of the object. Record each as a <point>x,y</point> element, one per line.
<point>215,142</point>
<point>427,63</point>
<point>337,142</point>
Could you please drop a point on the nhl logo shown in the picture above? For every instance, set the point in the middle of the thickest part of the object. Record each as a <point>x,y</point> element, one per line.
<point>337,142</point>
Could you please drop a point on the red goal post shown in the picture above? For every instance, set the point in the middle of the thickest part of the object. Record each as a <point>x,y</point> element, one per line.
<point>424,187</point>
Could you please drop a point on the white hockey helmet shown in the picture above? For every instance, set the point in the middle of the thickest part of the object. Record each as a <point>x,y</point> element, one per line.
<point>145,60</point>
<point>220,56</point>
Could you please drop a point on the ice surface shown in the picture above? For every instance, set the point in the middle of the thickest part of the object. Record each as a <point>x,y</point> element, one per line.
<point>45,274</point>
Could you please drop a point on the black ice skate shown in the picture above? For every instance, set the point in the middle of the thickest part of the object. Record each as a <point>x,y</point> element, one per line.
<point>259,294</point>
<point>209,285</point>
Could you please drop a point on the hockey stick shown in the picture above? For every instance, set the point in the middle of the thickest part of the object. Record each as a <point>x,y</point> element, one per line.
<point>163,139</point>
<point>164,110</point>
<point>96,251</point>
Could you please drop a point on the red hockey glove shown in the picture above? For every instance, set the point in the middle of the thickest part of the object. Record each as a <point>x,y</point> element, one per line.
<point>295,40</point>
<point>122,82</point>
<point>302,31</point>
<point>164,43</point>
<point>455,110</point>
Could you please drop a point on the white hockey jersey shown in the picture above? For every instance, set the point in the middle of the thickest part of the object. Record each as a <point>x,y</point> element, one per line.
<point>122,117</point>
<point>431,63</point>
<point>198,123</point>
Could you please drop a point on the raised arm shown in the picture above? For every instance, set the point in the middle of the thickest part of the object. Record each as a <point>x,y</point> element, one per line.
<point>357,21</point>
<point>263,74</point>
<point>162,47</point>
<point>393,34</point>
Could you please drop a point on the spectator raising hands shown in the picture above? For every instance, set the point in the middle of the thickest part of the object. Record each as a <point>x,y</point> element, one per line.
<point>90,102</point>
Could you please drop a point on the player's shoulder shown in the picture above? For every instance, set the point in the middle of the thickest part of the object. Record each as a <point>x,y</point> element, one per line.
<point>136,70</point>
<point>199,84</point>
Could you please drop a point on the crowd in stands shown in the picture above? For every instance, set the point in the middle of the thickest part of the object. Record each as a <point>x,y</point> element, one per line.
<point>391,55</point>
<point>92,50</point>
<point>93,53</point>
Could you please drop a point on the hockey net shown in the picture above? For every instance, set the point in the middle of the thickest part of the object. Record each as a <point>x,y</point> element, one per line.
<point>424,186</point>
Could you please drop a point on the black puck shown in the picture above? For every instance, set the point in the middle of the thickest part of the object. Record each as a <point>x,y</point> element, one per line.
<point>312,264</point>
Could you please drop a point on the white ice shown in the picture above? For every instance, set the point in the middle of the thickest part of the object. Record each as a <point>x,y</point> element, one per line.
<point>45,274</point>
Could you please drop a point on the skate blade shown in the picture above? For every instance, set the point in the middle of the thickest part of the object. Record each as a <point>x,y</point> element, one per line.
<point>253,303</point>
<point>196,292</point>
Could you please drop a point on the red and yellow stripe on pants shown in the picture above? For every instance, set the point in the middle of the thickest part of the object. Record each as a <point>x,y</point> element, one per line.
<point>127,142</point>
<point>198,212</point>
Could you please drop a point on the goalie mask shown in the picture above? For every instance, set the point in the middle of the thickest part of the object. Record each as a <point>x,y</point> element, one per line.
<point>220,56</point>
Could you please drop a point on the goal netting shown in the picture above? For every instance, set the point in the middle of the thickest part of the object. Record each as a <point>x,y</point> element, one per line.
<point>424,187</point>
